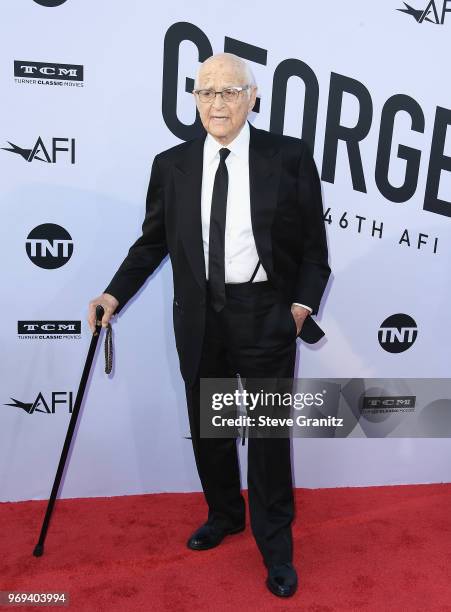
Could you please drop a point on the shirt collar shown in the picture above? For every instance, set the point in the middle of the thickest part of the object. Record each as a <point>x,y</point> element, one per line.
<point>239,145</point>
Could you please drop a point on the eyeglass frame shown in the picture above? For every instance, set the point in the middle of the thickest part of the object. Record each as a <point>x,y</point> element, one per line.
<point>237,88</point>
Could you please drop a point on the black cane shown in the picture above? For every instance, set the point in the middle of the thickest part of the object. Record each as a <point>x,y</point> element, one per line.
<point>39,548</point>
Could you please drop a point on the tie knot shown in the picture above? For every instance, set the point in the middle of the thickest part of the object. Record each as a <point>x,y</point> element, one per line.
<point>223,153</point>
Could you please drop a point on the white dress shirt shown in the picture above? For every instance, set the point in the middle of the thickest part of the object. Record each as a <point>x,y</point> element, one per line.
<point>241,255</point>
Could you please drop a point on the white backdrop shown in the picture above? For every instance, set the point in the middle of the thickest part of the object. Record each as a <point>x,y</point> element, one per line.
<point>131,436</point>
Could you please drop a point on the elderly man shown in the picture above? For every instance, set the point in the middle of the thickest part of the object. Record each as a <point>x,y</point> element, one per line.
<point>239,211</point>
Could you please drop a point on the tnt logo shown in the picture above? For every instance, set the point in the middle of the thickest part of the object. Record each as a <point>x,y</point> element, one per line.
<point>397,333</point>
<point>50,2</point>
<point>49,246</point>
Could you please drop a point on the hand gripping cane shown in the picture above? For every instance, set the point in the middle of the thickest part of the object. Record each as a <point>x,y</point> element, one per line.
<point>39,548</point>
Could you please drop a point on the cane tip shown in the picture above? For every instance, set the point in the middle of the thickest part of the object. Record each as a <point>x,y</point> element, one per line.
<point>39,550</point>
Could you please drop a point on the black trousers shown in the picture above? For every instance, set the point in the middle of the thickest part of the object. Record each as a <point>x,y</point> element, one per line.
<point>255,336</point>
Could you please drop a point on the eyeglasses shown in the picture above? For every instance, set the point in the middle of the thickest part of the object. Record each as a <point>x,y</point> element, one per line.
<point>229,94</point>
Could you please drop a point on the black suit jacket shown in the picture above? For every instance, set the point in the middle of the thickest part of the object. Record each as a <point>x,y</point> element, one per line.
<point>287,223</point>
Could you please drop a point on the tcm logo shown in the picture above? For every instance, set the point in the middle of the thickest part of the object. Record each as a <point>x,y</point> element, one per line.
<point>49,329</point>
<point>47,404</point>
<point>430,13</point>
<point>48,71</point>
<point>397,333</point>
<point>387,403</point>
<point>49,246</point>
<point>48,154</point>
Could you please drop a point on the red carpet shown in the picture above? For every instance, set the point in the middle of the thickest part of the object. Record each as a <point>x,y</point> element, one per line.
<point>379,549</point>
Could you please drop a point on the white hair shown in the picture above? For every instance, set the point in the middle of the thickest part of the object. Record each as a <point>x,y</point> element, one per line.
<point>244,66</point>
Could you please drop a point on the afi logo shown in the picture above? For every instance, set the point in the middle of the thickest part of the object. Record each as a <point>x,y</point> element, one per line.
<point>41,153</point>
<point>430,13</point>
<point>49,246</point>
<point>40,404</point>
<point>397,333</point>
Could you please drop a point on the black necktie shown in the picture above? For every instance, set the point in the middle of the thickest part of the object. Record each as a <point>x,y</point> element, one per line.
<point>216,269</point>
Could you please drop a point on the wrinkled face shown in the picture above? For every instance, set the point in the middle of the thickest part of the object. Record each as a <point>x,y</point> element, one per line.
<point>224,120</point>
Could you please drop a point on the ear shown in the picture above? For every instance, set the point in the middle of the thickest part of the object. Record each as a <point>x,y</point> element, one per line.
<point>252,98</point>
<point>196,100</point>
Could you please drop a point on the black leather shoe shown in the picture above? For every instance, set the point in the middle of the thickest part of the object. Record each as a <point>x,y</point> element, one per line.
<point>209,536</point>
<point>282,580</point>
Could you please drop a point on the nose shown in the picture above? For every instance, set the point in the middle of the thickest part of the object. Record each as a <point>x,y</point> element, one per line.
<point>218,102</point>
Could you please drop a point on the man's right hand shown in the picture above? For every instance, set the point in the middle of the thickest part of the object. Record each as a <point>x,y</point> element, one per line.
<point>109,304</point>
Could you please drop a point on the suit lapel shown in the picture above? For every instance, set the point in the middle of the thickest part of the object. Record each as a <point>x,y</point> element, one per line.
<point>264,176</point>
<point>188,189</point>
